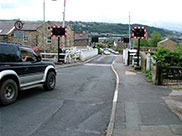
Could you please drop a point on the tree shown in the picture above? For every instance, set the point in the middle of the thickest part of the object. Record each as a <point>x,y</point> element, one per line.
<point>155,38</point>
<point>110,43</point>
<point>143,42</point>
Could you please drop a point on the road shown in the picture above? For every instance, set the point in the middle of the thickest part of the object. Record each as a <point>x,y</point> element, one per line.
<point>79,106</point>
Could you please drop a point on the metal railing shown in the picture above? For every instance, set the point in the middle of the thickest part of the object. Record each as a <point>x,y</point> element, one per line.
<point>70,55</point>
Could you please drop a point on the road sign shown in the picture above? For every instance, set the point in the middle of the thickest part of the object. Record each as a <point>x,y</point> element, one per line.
<point>126,40</point>
<point>19,34</point>
<point>95,39</point>
<point>18,25</point>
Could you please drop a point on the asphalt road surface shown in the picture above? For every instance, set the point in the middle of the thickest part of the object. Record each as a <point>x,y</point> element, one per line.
<point>79,106</point>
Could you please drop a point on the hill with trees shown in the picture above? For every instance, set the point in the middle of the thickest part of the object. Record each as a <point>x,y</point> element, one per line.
<point>96,28</point>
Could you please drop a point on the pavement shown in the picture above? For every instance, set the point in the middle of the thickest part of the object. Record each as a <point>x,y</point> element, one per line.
<point>141,109</point>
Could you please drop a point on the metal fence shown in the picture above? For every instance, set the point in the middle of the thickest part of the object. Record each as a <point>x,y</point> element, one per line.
<point>169,75</point>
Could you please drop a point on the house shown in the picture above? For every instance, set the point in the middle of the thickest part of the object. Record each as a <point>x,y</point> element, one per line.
<point>168,44</point>
<point>33,32</point>
<point>118,44</point>
<point>81,39</point>
<point>6,31</point>
<point>32,35</point>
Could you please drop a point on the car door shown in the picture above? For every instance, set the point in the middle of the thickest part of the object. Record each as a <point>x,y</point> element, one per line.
<point>32,70</point>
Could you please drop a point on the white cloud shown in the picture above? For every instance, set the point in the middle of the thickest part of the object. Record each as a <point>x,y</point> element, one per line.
<point>142,11</point>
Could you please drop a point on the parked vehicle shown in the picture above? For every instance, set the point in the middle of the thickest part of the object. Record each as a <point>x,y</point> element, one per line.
<point>21,68</point>
<point>113,52</point>
<point>106,52</point>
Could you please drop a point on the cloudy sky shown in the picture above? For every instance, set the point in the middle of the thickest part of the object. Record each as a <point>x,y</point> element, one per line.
<point>158,13</point>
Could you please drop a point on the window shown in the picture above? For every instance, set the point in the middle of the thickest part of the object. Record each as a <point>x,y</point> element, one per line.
<point>25,39</point>
<point>49,40</point>
<point>36,40</point>
<point>27,55</point>
<point>9,54</point>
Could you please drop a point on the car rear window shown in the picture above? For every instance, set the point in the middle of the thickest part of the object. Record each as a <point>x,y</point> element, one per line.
<point>9,53</point>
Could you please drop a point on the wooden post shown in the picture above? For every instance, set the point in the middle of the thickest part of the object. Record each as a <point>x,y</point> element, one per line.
<point>128,58</point>
<point>159,73</point>
<point>138,53</point>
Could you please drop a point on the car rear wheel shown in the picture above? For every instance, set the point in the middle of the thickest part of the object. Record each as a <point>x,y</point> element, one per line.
<point>8,92</point>
<point>50,81</point>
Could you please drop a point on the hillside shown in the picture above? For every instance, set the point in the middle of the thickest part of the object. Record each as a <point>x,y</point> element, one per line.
<point>115,28</point>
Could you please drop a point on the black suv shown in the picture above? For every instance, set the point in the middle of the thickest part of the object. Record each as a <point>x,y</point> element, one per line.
<point>21,68</point>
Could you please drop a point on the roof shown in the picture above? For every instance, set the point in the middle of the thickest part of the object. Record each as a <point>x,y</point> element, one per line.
<point>6,27</point>
<point>167,39</point>
<point>81,36</point>
<point>58,23</point>
<point>31,25</point>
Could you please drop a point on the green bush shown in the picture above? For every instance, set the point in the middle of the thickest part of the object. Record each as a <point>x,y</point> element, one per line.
<point>100,46</point>
<point>169,57</point>
<point>149,75</point>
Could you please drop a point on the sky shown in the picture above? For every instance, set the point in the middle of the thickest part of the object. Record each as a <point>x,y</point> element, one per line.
<point>157,13</point>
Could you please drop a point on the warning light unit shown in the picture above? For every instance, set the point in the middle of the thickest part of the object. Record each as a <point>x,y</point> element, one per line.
<point>58,31</point>
<point>139,33</point>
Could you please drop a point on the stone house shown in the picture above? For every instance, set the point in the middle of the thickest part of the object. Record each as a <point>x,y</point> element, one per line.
<point>168,44</point>
<point>33,35</point>
<point>81,39</point>
<point>118,44</point>
<point>7,32</point>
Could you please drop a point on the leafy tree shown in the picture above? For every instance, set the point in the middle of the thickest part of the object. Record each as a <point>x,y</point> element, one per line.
<point>143,42</point>
<point>155,38</point>
<point>110,43</point>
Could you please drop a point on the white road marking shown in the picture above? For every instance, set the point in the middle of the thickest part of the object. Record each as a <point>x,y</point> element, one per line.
<point>130,73</point>
<point>93,64</point>
<point>100,58</point>
<point>115,100</point>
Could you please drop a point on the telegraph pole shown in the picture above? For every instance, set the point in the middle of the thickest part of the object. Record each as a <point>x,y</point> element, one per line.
<point>129,31</point>
<point>44,29</point>
<point>63,38</point>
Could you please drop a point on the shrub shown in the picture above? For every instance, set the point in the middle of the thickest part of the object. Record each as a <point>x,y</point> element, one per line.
<point>169,57</point>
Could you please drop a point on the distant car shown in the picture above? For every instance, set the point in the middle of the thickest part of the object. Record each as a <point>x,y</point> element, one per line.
<point>113,52</point>
<point>107,52</point>
<point>21,68</point>
<point>116,53</point>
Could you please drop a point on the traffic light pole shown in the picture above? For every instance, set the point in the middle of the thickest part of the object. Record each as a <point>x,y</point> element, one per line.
<point>138,53</point>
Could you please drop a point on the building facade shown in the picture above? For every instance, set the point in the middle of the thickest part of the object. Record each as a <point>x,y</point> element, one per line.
<point>81,39</point>
<point>32,35</point>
